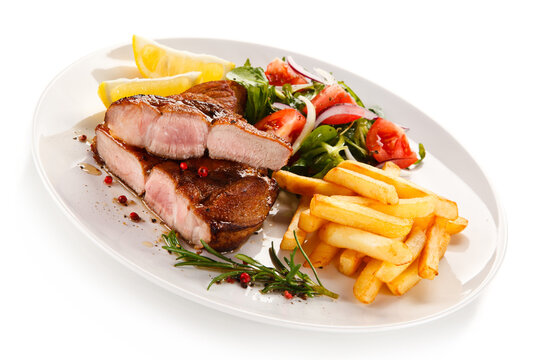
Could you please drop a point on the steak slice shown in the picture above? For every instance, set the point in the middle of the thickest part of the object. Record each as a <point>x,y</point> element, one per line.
<point>162,126</point>
<point>231,95</point>
<point>240,141</point>
<point>222,209</point>
<point>132,165</point>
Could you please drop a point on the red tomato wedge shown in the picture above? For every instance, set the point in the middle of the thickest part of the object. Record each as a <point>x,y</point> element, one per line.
<point>331,95</point>
<point>287,124</point>
<point>280,73</point>
<point>387,142</point>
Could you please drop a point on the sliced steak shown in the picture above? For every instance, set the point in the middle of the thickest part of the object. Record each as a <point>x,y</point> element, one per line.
<point>183,126</point>
<point>222,209</point>
<point>132,165</point>
<point>239,141</point>
<point>162,126</point>
<point>231,95</point>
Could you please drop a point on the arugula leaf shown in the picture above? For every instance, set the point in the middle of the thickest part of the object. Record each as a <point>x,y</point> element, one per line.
<point>421,152</point>
<point>260,95</point>
<point>323,133</point>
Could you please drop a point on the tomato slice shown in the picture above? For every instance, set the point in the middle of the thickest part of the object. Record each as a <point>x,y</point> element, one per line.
<point>331,95</point>
<point>280,73</point>
<point>387,142</point>
<point>287,124</point>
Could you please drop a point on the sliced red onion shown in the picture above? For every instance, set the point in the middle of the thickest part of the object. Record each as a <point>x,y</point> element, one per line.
<point>308,126</point>
<point>328,78</point>
<point>281,106</point>
<point>345,109</point>
<point>299,69</point>
<point>403,127</point>
<point>296,88</point>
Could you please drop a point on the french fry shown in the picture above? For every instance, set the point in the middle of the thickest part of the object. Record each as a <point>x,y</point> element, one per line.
<point>391,168</point>
<point>415,242</point>
<point>359,216</point>
<point>375,246</point>
<point>310,223</point>
<point>367,285</point>
<point>405,189</point>
<point>349,261</point>
<point>443,245</point>
<point>288,242</point>
<point>456,226</point>
<point>406,280</point>
<point>409,278</point>
<point>363,185</point>
<point>322,255</point>
<point>424,222</point>
<point>428,263</point>
<point>306,185</point>
<point>405,208</point>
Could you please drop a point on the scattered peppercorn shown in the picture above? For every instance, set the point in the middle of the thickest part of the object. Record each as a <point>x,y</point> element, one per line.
<point>230,280</point>
<point>154,221</point>
<point>134,216</point>
<point>122,199</point>
<point>245,278</point>
<point>203,171</point>
<point>108,180</point>
<point>82,138</point>
<point>287,295</point>
<point>183,165</point>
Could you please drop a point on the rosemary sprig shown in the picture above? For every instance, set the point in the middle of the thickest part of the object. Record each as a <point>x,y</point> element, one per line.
<point>280,278</point>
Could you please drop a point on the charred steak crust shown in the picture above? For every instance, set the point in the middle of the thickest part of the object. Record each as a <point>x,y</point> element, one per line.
<point>234,199</point>
<point>231,95</point>
<point>205,104</point>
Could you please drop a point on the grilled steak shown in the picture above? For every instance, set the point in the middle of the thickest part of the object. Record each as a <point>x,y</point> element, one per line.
<point>162,126</point>
<point>231,139</point>
<point>183,126</point>
<point>222,209</point>
<point>129,163</point>
<point>229,94</point>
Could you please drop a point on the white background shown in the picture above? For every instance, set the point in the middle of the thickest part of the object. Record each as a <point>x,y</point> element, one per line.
<point>472,66</point>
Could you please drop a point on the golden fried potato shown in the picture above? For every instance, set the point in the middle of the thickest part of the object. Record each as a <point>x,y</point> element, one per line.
<point>405,189</point>
<point>428,263</point>
<point>310,223</point>
<point>457,225</point>
<point>322,254</point>
<point>367,285</point>
<point>411,208</point>
<point>349,261</point>
<point>391,168</point>
<point>288,242</point>
<point>415,242</point>
<point>307,186</point>
<point>359,216</point>
<point>406,280</point>
<point>382,248</point>
<point>363,185</point>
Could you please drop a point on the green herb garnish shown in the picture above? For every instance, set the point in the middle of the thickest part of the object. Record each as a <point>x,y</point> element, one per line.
<point>282,277</point>
<point>260,94</point>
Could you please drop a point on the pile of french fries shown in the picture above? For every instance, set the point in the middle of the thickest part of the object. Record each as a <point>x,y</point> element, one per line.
<point>382,227</point>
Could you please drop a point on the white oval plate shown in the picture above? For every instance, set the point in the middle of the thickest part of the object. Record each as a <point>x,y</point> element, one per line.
<point>70,106</point>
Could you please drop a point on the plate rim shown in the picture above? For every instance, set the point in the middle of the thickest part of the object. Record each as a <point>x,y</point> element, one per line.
<point>500,248</point>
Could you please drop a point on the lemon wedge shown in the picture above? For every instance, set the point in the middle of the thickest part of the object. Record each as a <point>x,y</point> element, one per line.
<point>156,60</point>
<point>110,91</point>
